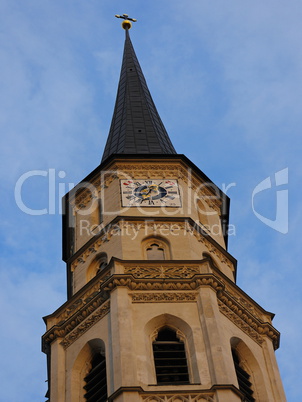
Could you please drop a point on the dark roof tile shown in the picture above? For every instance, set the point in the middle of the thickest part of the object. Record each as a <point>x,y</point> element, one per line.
<point>136,126</point>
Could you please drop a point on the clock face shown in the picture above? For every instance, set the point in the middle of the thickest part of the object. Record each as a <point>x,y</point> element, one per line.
<point>150,193</point>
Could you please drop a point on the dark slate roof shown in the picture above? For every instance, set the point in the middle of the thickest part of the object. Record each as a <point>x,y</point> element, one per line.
<point>136,127</point>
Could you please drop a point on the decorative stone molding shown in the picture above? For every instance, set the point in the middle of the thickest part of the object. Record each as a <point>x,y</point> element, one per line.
<point>232,316</point>
<point>247,305</point>
<point>89,322</point>
<point>63,328</point>
<point>154,335</point>
<point>85,197</point>
<point>245,319</point>
<point>93,189</point>
<point>212,249</point>
<point>108,178</point>
<point>104,238</point>
<point>82,313</point>
<point>180,397</point>
<point>86,298</point>
<point>176,170</point>
<point>239,296</point>
<point>163,297</point>
<point>162,271</point>
<point>121,227</point>
<point>158,284</point>
<point>180,336</point>
<point>228,305</point>
<point>146,171</point>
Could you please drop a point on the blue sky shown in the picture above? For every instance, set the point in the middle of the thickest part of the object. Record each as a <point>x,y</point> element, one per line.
<point>226,79</point>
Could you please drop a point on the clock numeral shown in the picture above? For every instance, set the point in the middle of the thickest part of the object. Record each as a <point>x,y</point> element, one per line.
<point>163,201</point>
<point>170,197</point>
<point>148,182</point>
<point>130,197</point>
<point>127,192</point>
<point>137,183</point>
<point>169,187</point>
<point>172,192</point>
<point>151,202</point>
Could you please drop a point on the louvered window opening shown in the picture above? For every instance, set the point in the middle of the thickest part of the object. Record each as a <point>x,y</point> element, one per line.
<point>243,377</point>
<point>170,359</point>
<point>96,381</point>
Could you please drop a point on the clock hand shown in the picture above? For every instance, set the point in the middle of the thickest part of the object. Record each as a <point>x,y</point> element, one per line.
<point>146,195</point>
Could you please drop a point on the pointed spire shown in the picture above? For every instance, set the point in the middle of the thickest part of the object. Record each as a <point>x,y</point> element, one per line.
<point>136,127</point>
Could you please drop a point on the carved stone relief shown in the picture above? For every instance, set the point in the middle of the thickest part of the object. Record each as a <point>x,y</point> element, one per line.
<point>152,271</point>
<point>163,297</point>
<point>240,323</point>
<point>194,397</point>
<point>89,322</point>
<point>156,171</point>
<point>93,305</point>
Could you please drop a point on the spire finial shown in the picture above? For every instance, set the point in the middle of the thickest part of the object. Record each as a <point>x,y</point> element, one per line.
<point>126,24</point>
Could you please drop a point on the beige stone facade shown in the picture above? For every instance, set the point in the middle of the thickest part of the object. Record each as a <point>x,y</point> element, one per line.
<point>120,297</point>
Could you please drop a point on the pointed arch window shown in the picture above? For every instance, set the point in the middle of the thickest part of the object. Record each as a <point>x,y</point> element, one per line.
<point>155,252</point>
<point>96,380</point>
<point>96,266</point>
<point>102,262</point>
<point>243,378</point>
<point>170,358</point>
<point>156,249</point>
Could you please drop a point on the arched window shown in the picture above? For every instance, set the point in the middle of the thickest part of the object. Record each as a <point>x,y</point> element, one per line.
<point>97,265</point>
<point>96,380</point>
<point>102,262</point>
<point>156,249</point>
<point>243,378</point>
<point>170,358</point>
<point>155,252</point>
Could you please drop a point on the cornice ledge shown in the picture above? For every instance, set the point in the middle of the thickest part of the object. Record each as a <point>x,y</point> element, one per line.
<point>228,305</point>
<point>63,328</point>
<point>89,322</point>
<point>246,320</point>
<point>133,283</point>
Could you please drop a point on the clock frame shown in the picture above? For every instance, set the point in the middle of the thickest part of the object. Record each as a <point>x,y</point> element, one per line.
<point>150,193</point>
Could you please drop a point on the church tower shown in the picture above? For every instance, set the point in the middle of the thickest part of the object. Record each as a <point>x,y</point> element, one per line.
<point>153,312</point>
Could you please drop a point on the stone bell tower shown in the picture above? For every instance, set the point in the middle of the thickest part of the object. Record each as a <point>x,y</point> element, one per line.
<point>153,312</point>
